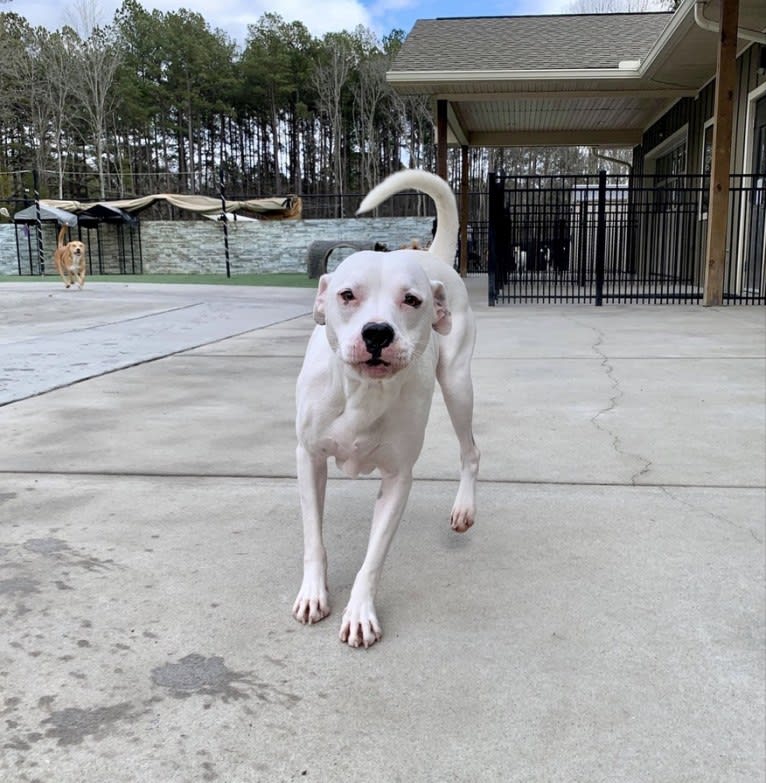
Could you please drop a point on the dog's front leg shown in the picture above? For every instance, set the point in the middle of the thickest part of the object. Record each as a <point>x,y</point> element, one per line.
<point>360,624</point>
<point>65,278</point>
<point>312,603</point>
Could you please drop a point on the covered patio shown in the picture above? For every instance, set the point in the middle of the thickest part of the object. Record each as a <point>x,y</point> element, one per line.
<point>584,80</point>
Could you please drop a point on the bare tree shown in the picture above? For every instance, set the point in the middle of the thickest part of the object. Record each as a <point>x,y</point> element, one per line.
<point>416,120</point>
<point>618,6</point>
<point>370,90</point>
<point>330,78</point>
<point>97,59</point>
<point>24,85</point>
<point>58,56</point>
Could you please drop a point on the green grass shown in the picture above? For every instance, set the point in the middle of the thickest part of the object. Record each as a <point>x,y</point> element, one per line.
<point>291,280</point>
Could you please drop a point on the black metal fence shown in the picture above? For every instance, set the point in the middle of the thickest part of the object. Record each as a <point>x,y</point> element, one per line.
<point>597,239</point>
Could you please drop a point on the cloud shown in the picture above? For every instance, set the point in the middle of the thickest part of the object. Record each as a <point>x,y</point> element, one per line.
<point>232,16</point>
<point>319,18</point>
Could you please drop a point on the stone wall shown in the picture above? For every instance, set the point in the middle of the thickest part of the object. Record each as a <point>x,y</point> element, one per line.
<point>197,246</point>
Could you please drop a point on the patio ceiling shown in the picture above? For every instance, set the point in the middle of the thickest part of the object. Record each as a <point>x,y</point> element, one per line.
<point>561,80</point>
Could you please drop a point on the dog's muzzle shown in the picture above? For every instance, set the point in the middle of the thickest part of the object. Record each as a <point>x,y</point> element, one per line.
<point>377,336</point>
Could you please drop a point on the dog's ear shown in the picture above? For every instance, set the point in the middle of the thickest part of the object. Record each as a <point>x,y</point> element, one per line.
<point>442,322</point>
<point>321,298</point>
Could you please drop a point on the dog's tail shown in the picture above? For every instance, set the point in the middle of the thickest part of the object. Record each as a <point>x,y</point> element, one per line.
<point>447,221</point>
<point>62,235</point>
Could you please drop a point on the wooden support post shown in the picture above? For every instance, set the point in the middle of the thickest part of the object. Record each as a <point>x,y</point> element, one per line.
<point>718,210</point>
<point>464,211</point>
<point>441,138</point>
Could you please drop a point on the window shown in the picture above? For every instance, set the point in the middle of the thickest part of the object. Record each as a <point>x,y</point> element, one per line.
<point>668,170</point>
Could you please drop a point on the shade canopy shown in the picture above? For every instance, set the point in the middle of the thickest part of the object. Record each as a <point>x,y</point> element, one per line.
<point>47,215</point>
<point>105,213</point>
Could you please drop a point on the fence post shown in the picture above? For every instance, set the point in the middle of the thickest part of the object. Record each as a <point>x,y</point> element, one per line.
<point>600,238</point>
<point>225,226</point>
<point>582,244</point>
<point>495,210</point>
<point>38,224</point>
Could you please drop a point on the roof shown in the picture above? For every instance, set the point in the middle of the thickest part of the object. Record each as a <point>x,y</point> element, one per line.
<point>105,213</point>
<point>47,214</point>
<point>590,79</point>
<point>274,208</point>
<point>529,42</point>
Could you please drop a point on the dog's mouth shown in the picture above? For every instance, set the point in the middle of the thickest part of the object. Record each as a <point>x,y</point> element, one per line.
<point>375,367</point>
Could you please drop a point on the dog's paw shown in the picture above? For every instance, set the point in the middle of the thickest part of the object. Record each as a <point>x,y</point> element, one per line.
<point>462,518</point>
<point>313,601</point>
<point>311,609</point>
<point>360,626</point>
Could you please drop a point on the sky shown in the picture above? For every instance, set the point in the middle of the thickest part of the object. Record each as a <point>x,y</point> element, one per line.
<point>319,16</point>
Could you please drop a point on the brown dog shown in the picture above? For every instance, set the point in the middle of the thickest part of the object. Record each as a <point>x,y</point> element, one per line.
<point>70,260</point>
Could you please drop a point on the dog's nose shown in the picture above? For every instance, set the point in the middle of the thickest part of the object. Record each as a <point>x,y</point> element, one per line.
<point>377,336</point>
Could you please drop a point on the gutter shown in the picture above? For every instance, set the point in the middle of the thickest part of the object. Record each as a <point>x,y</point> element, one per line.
<point>541,75</point>
<point>714,27</point>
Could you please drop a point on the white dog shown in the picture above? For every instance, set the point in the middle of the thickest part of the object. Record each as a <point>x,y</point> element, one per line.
<point>389,324</point>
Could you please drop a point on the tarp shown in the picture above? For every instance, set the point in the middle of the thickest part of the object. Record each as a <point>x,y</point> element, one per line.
<point>48,213</point>
<point>105,213</point>
<point>277,208</point>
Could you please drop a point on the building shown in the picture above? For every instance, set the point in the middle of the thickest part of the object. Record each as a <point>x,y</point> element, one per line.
<point>644,81</point>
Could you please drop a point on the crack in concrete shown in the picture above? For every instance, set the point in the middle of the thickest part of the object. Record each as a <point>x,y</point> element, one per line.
<point>707,512</point>
<point>614,400</point>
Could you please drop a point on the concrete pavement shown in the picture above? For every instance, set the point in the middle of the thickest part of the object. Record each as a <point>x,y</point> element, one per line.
<point>604,620</point>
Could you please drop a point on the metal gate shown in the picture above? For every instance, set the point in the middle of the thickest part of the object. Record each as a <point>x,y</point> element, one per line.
<point>606,238</point>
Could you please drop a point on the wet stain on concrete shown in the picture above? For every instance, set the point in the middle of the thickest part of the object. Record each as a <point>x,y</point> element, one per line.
<point>60,585</point>
<point>6,496</point>
<point>10,704</point>
<point>65,555</point>
<point>19,585</point>
<point>197,674</point>
<point>45,546</point>
<point>72,725</point>
<point>16,743</point>
<point>210,677</point>
<point>93,564</point>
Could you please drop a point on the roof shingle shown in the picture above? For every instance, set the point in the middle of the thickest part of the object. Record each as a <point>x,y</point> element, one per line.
<point>527,43</point>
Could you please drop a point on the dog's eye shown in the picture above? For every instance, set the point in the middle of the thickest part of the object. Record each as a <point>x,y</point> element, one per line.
<point>347,295</point>
<point>412,300</point>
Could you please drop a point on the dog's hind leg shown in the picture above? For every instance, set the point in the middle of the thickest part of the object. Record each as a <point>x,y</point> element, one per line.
<point>454,375</point>
<point>312,603</point>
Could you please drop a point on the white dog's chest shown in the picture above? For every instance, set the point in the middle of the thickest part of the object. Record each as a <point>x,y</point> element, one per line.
<point>356,451</point>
